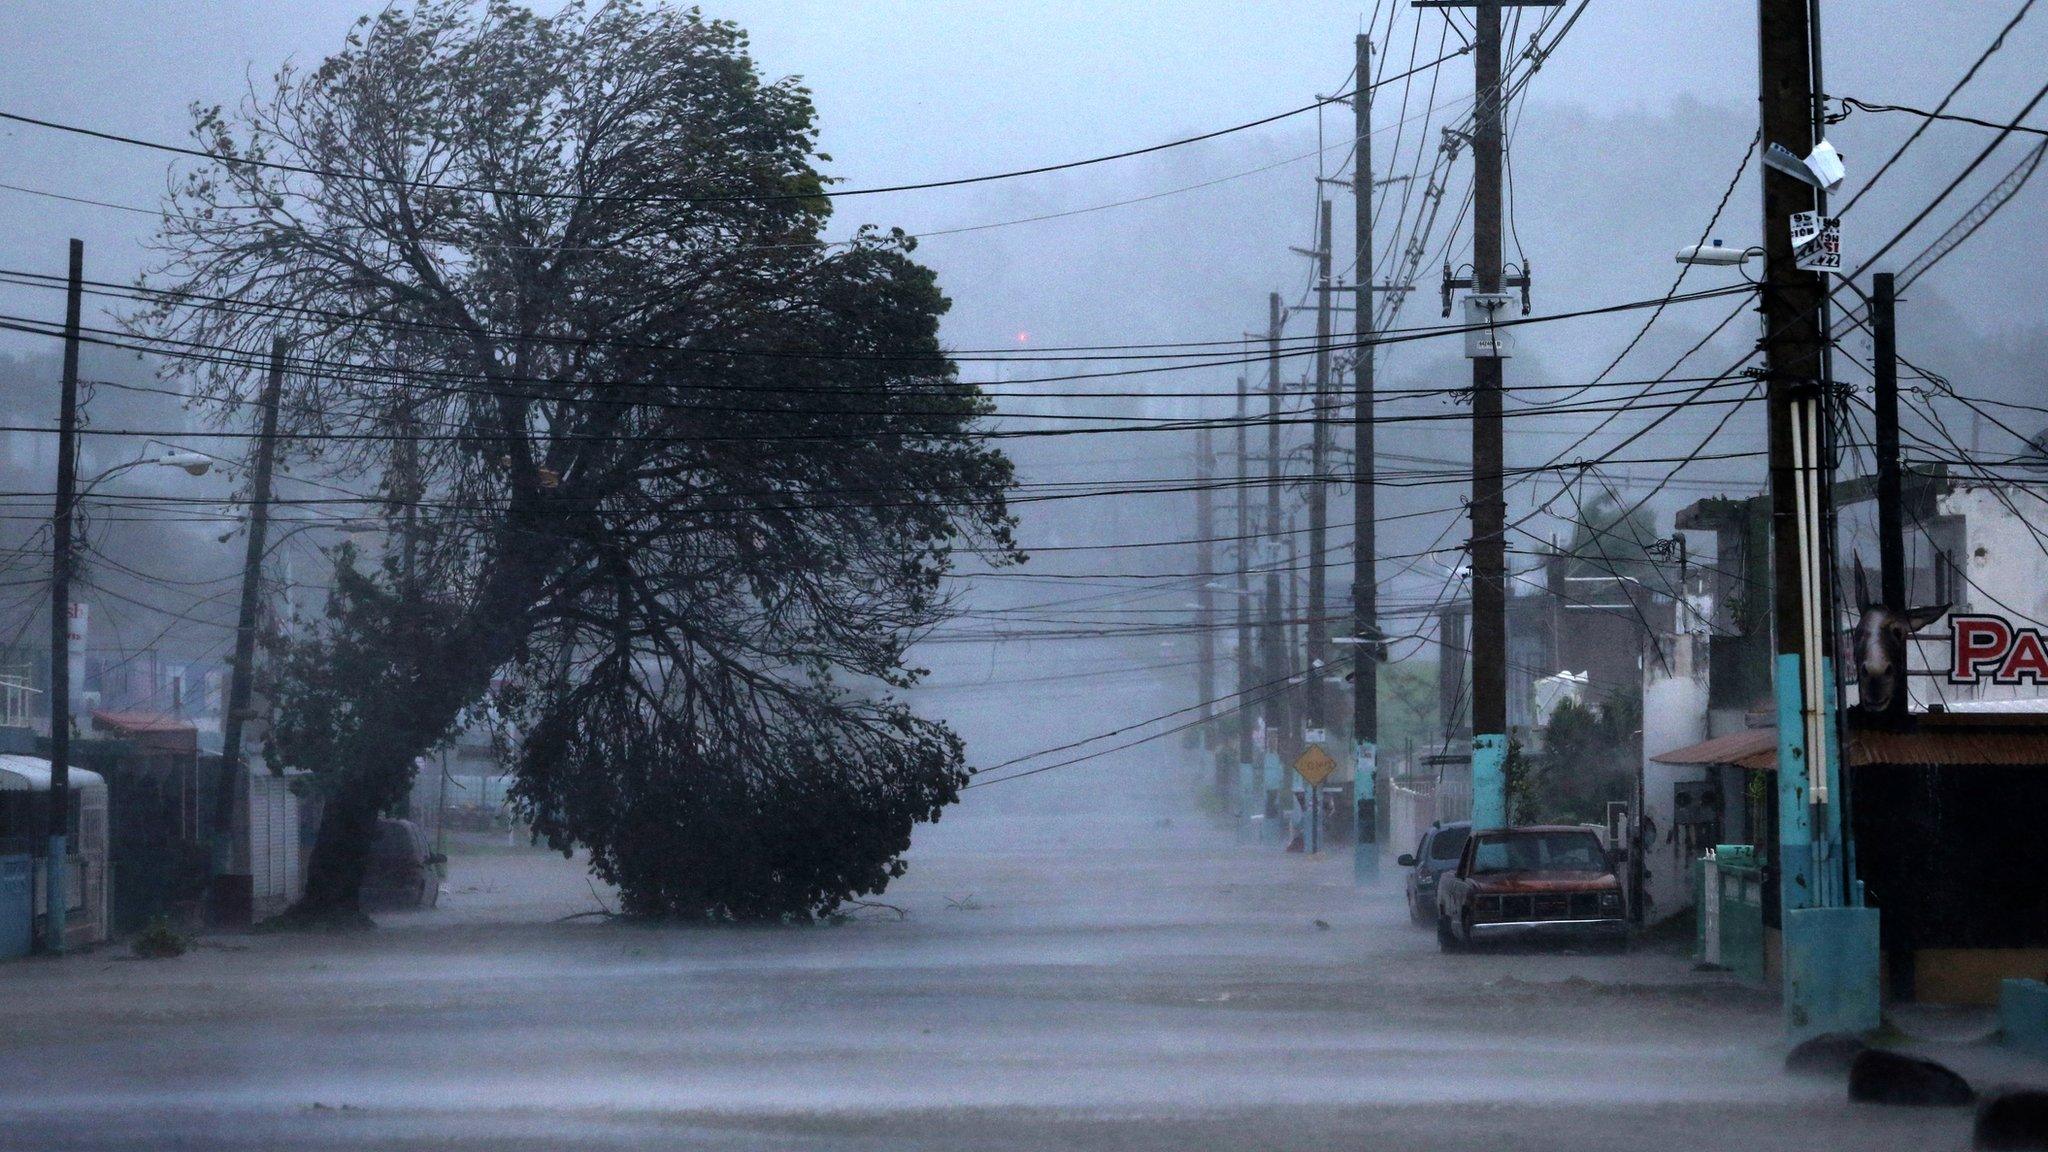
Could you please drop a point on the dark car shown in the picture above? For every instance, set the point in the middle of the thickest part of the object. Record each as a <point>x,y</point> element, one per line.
<point>401,874</point>
<point>1539,882</point>
<point>1435,854</point>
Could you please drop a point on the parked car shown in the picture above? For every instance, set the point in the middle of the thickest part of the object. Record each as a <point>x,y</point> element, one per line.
<point>1538,882</point>
<point>1436,853</point>
<point>401,874</point>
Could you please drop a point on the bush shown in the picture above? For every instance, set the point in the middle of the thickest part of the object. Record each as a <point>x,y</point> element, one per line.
<point>160,941</point>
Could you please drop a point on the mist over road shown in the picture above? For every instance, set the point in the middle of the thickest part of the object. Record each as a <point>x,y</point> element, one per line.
<point>1077,982</point>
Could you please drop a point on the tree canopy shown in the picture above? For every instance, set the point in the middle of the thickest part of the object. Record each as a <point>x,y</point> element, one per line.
<point>673,481</point>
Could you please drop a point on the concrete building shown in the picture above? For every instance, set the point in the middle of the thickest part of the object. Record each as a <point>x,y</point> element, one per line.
<point>1944,809</point>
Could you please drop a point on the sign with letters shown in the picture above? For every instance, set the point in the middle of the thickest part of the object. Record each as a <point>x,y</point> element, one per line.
<point>1817,242</point>
<point>1315,765</point>
<point>1995,650</point>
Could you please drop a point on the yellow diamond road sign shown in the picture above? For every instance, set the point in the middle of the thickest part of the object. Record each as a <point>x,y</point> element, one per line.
<point>1315,765</point>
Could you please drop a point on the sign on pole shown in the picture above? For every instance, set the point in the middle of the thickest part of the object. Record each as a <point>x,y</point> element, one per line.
<point>1315,765</point>
<point>1817,242</point>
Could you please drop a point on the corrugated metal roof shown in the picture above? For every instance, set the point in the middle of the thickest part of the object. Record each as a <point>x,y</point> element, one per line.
<point>32,774</point>
<point>2003,739</point>
<point>1738,748</point>
<point>140,722</point>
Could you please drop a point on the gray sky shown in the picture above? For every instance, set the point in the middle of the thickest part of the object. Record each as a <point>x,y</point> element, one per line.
<point>1627,138</point>
<point>913,91</point>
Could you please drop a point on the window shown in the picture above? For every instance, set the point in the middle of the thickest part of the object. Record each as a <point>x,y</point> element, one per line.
<point>1945,578</point>
<point>1539,852</point>
<point>1489,856</point>
<point>1448,844</point>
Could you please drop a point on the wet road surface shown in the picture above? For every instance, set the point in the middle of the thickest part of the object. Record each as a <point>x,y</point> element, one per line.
<point>1066,982</point>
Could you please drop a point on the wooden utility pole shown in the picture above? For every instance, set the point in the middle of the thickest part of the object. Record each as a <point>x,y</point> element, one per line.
<point>1276,662</point>
<point>1793,339</point>
<point>1829,942</point>
<point>1891,520</point>
<point>1365,668</point>
<point>1489,509</point>
<point>1489,506</point>
<point>56,885</point>
<point>1247,657</point>
<point>1319,488</point>
<point>1205,598</point>
<point>240,673</point>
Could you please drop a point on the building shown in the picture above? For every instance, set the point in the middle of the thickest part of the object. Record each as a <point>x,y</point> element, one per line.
<point>1944,808</point>
<point>24,823</point>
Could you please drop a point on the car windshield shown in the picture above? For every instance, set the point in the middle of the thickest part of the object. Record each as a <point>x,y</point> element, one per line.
<point>1449,844</point>
<point>1538,852</point>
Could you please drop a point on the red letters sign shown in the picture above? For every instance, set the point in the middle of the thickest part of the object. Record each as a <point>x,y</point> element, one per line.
<point>1991,647</point>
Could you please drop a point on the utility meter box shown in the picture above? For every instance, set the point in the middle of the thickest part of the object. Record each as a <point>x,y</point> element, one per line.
<point>1695,802</point>
<point>1484,338</point>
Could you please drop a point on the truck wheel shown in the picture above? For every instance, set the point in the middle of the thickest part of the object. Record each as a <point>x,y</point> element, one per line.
<point>1446,940</point>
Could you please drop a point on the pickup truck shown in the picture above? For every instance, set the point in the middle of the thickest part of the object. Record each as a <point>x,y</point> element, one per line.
<point>1536,882</point>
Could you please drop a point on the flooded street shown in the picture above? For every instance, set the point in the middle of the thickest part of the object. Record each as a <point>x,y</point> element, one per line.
<point>1078,982</point>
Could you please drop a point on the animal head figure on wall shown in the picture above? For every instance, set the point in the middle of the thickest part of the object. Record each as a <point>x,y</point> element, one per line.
<point>1878,647</point>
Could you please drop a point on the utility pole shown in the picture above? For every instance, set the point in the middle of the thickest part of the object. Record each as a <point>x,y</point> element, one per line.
<point>1247,662</point>
<point>1205,600</point>
<point>1319,488</point>
<point>1486,349</point>
<point>1891,521</point>
<point>240,676</point>
<point>1830,941</point>
<point>1276,663</point>
<point>1489,509</point>
<point>56,886</point>
<point>1288,779</point>
<point>1365,667</point>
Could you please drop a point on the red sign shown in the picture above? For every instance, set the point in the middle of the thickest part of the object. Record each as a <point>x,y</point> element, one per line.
<point>1993,648</point>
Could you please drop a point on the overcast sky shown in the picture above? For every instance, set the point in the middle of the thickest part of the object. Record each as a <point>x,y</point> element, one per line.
<point>1626,141</point>
<point>912,91</point>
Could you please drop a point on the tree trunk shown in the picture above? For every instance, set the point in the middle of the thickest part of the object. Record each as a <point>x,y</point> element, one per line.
<point>341,855</point>
<point>446,673</point>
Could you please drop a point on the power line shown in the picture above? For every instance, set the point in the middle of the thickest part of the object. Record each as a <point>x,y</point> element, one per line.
<point>711,198</point>
<point>230,357</point>
<point>1997,42</point>
<point>1951,117</point>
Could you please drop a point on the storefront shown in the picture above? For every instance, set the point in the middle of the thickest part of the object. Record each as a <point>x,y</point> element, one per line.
<point>1950,821</point>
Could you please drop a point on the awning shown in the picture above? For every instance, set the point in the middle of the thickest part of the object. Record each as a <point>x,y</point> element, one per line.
<point>163,733</point>
<point>1753,748</point>
<point>1943,738</point>
<point>32,774</point>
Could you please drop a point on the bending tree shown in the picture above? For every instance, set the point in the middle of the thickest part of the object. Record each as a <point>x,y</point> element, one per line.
<point>672,481</point>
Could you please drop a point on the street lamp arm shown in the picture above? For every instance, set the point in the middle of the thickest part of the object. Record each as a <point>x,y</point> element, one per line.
<point>191,462</point>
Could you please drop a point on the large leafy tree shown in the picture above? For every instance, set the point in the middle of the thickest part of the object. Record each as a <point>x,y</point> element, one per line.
<point>1610,540</point>
<point>674,480</point>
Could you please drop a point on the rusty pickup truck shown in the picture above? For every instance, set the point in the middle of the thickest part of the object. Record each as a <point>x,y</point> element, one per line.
<point>1537,882</point>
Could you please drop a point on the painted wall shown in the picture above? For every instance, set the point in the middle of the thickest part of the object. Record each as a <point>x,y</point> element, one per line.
<point>1674,715</point>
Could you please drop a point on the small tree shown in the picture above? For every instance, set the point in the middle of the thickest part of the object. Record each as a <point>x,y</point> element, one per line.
<point>1590,755</point>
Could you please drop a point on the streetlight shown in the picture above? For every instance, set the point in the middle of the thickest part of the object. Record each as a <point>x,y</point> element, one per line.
<point>1714,254</point>
<point>193,463</point>
<point>57,899</point>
